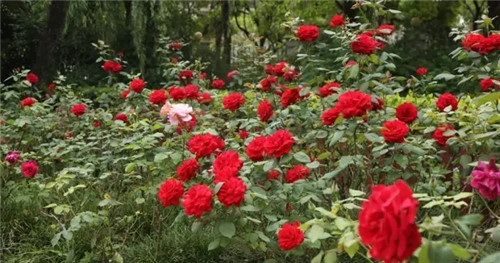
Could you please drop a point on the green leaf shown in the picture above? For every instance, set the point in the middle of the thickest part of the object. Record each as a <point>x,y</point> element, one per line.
<point>459,251</point>
<point>374,137</point>
<point>462,195</point>
<point>330,256</point>
<point>214,244</point>
<point>263,236</point>
<point>316,232</point>
<point>355,193</point>
<point>269,165</point>
<point>302,157</point>
<point>445,76</point>
<point>440,253</point>
<point>352,249</point>
<point>227,229</point>
<point>117,258</point>
<point>491,97</point>
<point>130,167</point>
<point>318,258</point>
<point>354,71</point>
<point>195,226</point>
<point>423,254</point>
<point>472,219</point>
<point>313,165</point>
<point>160,157</point>
<point>493,258</point>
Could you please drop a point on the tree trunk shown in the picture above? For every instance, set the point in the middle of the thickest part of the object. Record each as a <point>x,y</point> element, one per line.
<point>494,10</point>
<point>227,34</point>
<point>45,65</point>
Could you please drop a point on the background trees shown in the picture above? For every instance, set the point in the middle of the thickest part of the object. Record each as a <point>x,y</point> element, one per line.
<point>54,35</point>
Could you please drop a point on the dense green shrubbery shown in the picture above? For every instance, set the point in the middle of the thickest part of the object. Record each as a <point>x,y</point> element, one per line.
<point>93,194</point>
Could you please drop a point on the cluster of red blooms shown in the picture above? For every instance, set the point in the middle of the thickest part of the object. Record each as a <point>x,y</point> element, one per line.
<point>365,43</point>
<point>481,44</point>
<point>28,102</point>
<point>233,101</point>
<point>198,199</point>
<point>307,33</point>
<point>112,66</point>
<point>489,83</point>
<point>32,78</point>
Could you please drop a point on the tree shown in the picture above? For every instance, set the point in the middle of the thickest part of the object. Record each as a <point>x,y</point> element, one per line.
<point>45,63</point>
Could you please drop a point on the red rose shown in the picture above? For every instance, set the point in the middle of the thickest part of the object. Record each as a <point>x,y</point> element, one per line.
<point>407,112</point>
<point>202,75</point>
<point>422,71</point>
<point>188,126</point>
<point>273,175</point>
<point>478,43</point>
<point>266,83</point>
<point>204,144</point>
<point>279,143</point>
<point>243,134</point>
<point>187,170</point>
<point>269,69</point>
<point>97,124</point>
<point>191,91</point>
<point>290,74</point>
<point>170,192</point>
<point>158,97</point>
<point>217,84</point>
<point>197,200</point>
<point>232,192</point>
<point>51,87</point>
<point>112,66</point>
<point>120,54</point>
<point>233,101</point>
<point>121,117</point>
<point>29,169</point>
<point>227,165</point>
<point>137,85</point>
<point>395,131</point>
<point>446,100</point>
<point>280,68</point>
<point>177,93</point>
<point>186,75</point>
<point>364,44</point>
<point>175,60</point>
<point>204,98</point>
<point>265,110</point>
<point>174,46</point>
<point>354,103</point>
<point>231,74</point>
<point>350,63</point>
<point>337,20</point>
<point>68,135</point>
<point>494,41</point>
<point>289,97</point>
<point>28,102</point>
<point>32,78</point>
<point>385,30</point>
<point>378,104</point>
<point>307,33</point>
<point>290,236</point>
<point>439,134</point>
<point>487,84</point>
<point>329,89</point>
<point>255,149</point>
<point>78,109</point>
<point>298,172</point>
<point>125,93</point>
<point>387,223</point>
<point>330,116</point>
